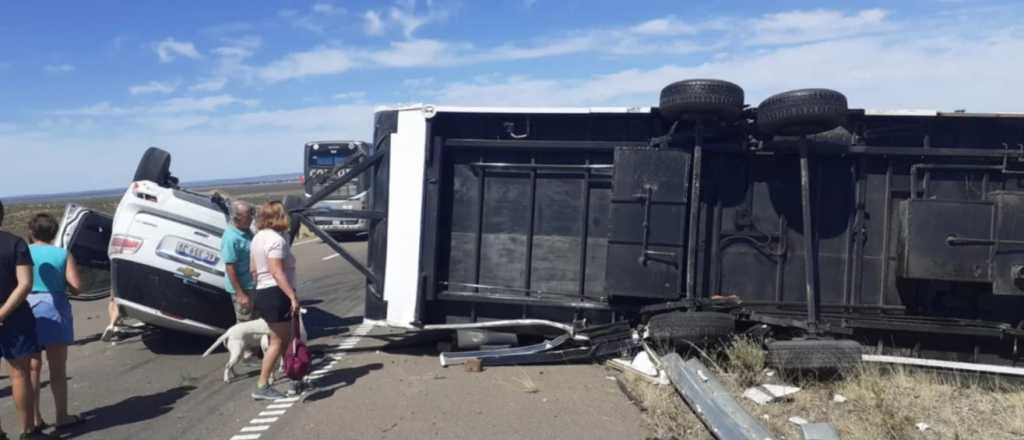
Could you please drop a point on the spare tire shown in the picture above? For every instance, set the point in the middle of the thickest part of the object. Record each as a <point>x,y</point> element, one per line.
<point>155,167</point>
<point>802,112</point>
<point>702,99</point>
<point>813,354</point>
<point>690,327</point>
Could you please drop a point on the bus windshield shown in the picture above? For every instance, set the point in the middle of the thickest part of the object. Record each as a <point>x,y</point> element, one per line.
<point>321,161</point>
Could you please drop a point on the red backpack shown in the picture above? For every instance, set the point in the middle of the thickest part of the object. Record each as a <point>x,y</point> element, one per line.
<point>296,357</point>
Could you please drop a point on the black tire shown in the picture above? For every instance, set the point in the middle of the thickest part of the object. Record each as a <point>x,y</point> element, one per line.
<point>802,112</point>
<point>155,167</point>
<point>813,354</point>
<point>691,327</point>
<point>702,99</point>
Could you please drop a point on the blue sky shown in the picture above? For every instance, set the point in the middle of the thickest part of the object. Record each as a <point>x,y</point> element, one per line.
<point>234,88</point>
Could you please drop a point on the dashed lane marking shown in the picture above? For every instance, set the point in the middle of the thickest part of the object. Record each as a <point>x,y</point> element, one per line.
<point>312,240</point>
<point>279,407</point>
<point>331,257</point>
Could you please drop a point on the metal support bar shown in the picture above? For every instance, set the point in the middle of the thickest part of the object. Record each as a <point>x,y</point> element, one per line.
<point>691,242</point>
<point>584,231</point>
<point>809,239</point>
<point>542,166</point>
<point>531,225</point>
<point>345,213</point>
<point>326,238</point>
<point>933,166</point>
<point>456,358</point>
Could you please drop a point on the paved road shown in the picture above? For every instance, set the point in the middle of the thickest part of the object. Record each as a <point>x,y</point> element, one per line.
<point>154,386</point>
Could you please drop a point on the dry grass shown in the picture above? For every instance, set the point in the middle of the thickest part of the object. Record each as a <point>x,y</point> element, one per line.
<point>666,415</point>
<point>18,214</point>
<point>884,402</point>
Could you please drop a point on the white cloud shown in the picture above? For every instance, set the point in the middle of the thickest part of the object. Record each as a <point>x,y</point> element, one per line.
<point>201,105</point>
<point>872,71</point>
<point>313,20</point>
<point>59,68</point>
<point>204,104</point>
<point>153,87</point>
<point>256,137</point>
<point>374,25</point>
<point>327,9</point>
<point>807,26</point>
<point>413,53</point>
<point>169,49</point>
<point>350,96</point>
<point>549,49</point>
<point>323,61</point>
<point>209,85</point>
<point>99,109</point>
<point>239,48</point>
<point>664,26</point>
<point>408,21</point>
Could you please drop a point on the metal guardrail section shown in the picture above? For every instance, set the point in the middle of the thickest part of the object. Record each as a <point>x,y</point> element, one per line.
<point>710,401</point>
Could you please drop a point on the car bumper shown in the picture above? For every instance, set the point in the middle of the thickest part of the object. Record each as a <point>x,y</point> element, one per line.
<point>168,300</point>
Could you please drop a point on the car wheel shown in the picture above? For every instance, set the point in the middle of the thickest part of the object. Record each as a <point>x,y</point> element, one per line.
<point>701,99</point>
<point>801,112</point>
<point>813,354</point>
<point>155,167</point>
<point>698,328</point>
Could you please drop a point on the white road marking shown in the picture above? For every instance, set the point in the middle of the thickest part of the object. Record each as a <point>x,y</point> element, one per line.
<point>331,257</point>
<point>312,240</point>
<point>257,428</point>
<point>280,406</point>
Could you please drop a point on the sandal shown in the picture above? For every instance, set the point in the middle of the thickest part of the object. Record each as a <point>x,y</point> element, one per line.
<point>75,420</point>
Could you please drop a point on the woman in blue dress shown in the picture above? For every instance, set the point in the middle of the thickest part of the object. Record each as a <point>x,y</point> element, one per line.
<point>55,276</point>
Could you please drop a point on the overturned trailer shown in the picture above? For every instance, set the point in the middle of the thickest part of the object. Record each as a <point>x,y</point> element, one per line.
<point>896,229</point>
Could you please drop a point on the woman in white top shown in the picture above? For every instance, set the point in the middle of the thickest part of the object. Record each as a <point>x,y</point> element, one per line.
<point>273,268</point>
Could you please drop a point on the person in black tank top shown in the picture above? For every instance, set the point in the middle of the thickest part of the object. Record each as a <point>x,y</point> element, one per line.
<point>17,326</point>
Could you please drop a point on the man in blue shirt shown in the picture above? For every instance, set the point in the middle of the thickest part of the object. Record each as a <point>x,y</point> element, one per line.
<point>234,249</point>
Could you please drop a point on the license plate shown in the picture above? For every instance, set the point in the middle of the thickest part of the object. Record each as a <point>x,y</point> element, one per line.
<point>187,250</point>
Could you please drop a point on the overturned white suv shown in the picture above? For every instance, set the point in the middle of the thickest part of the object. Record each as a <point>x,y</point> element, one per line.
<point>165,262</point>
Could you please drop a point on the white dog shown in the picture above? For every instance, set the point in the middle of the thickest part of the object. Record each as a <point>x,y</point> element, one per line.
<point>243,336</point>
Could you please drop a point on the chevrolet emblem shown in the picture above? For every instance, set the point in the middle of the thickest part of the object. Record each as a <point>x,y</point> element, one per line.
<point>189,272</point>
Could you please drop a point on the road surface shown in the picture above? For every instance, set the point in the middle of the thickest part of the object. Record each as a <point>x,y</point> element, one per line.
<point>156,386</point>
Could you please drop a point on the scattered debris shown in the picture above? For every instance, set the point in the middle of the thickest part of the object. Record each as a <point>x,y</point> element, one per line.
<point>922,426</point>
<point>767,393</point>
<point>710,401</point>
<point>643,366</point>
<point>473,366</point>
<point>839,398</point>
<point>798,420</point>
<point>818,431</point>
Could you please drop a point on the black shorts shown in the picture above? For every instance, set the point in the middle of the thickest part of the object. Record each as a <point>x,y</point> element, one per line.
<point>272,304</point>
<point>18,334</point>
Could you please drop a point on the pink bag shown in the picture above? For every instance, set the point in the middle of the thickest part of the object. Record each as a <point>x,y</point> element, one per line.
<point>297,359</point>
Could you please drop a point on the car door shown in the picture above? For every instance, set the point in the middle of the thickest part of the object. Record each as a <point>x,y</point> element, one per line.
<point>86,234</point>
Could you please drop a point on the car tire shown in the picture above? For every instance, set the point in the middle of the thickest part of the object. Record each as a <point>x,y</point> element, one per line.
<point>702,99</point>
<point>813,354</point>
<point>802,112</point>
<point>700,328</point>
<point>155,166</point>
